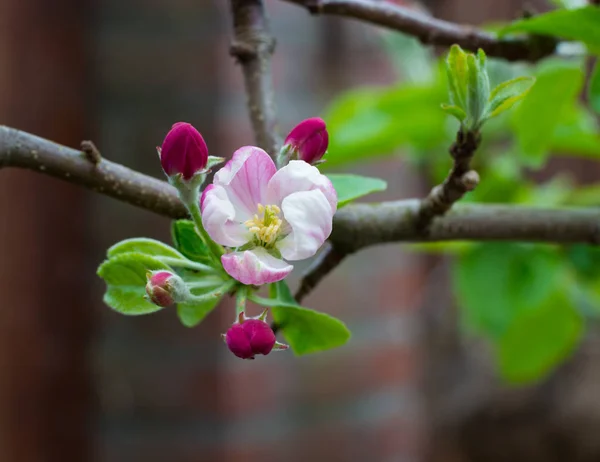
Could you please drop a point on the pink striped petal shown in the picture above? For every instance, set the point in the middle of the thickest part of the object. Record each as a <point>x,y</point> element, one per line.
<point>300,176</point>
<point>255,267</point>
<point>245,178</point>
<point>220,218</point>
<point>309,215</point>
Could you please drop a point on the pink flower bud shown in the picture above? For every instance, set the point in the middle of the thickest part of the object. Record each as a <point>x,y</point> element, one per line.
<point>183,151</point>
<point>160,289</point>
<point>308,140</point>
<point>251,336</point>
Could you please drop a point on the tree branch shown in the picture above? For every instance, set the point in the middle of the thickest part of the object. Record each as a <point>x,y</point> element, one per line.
<point>252,46</point>
<point>22,150</point>
<point>431,31</point>
<point>325,262</point>
<point>355,226</point>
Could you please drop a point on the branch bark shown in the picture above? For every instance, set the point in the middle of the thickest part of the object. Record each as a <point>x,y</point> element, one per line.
<point>252,46</point>
<point>431,31</point>
<point>460,180</point>
<point>355,226</point>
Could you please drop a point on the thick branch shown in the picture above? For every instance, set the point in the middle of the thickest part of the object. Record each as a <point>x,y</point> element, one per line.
<point>431,31</point>
<point>20,149</point>
<point>253,46</point>
<point>355,227</point>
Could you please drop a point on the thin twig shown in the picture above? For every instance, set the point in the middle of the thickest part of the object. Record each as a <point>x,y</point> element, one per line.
<point>431,31</point>
<point>355,226</point>
<point>252,46</point>
<point>325,262</point>
<point>460,180</point>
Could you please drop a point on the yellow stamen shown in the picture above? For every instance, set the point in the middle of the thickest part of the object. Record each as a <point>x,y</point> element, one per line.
<point>267,226</point>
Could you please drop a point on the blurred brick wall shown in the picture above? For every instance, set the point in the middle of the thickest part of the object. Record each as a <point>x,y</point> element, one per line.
<point>171,393</point>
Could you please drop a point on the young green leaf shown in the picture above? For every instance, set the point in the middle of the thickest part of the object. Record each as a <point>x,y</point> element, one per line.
<point>191,314</point>
<point>144,245</point>
<point>125,277</point>
<point>351,187</point>
<point>458,76</point>
<point>538,341</point>
<point>189,243</point>
<point>455,111</point>
<point>507,94</point>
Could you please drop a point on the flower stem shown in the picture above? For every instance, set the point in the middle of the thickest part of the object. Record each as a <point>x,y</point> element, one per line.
<point>215,248</point>
<point>220,291</point>
<point>241,297</point>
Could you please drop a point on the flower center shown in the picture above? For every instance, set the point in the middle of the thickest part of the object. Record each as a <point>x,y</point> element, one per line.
<point>265,225</point>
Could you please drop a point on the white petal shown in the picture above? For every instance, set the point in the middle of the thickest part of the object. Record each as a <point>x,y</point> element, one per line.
<point>309,215</point>
<point>255,267</point>
<point>300,176</point>
<point>220,219</point>
<point>245,178</point>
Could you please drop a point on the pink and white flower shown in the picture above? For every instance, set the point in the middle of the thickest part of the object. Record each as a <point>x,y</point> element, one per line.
<point>267,215</point>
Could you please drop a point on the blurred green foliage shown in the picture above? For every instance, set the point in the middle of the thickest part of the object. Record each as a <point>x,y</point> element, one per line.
<point>529,300</point>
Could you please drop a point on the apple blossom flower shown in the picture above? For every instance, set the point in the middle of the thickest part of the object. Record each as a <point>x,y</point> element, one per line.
<point>307,141</point>
<point>248,337</point>
<point>267,215</point>
<point>183,151</point>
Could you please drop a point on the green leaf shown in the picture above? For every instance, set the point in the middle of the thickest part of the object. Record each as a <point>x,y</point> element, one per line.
<point>594,89</point>
<point>507,94</point>
<point>512,87</point>
<point>495,283</point>
<point>539,340</point>
<point>457,71</point>
<point>125,277</point>
<point>351,187</point>
<point>309,331</point>
<point>541,111</point>
<point>306,330</point>
<point>191,314</point>
<point>189,243</point>
<point>577,24</point>
<point>143,245</point>
<point>455,111</point>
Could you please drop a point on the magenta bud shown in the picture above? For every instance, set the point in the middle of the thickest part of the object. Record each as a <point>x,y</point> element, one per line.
<point>308,140</point>
<point>251,336</point>
<point>160,288</point>
<point>183,151</point>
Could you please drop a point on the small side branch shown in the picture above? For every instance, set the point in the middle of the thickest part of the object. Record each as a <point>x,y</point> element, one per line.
<point>431,31</point>
<point>460,180</point>
<point>325,262</point>
<point>252,46</point>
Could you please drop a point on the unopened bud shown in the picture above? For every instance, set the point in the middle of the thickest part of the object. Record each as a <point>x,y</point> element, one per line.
<point>307,141</point>
<point>183,152</point>
<point>165,288</point>
<point>251,336</point>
